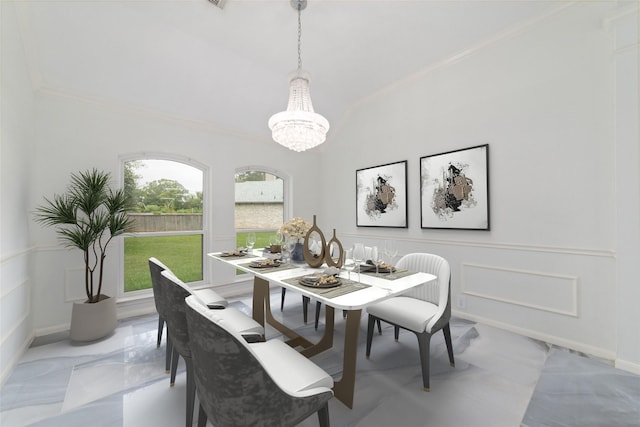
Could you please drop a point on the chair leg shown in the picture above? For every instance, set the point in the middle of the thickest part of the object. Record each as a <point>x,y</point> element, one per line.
<point>191,391</point>
<point>284,292</point>
<point>167,361</point>
<point>174,367</point>
<point>379,326</point>
<point>323,416</point>
<point>372,320</point>
<point>447,339</point>
<point>396,332</point>
<point>318,307</point>
<point>344,314</point>
<point>305,307</point>
<point>202,417</point>
<point>160,329</point>
<point>424,340</point>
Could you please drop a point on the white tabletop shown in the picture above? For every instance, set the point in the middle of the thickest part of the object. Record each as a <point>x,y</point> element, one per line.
<point>380,288</point>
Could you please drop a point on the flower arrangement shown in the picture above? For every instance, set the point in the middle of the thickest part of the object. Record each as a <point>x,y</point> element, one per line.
<point>295,228</point>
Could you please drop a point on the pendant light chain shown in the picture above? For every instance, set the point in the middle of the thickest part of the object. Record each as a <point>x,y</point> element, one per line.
<point>299,37</point>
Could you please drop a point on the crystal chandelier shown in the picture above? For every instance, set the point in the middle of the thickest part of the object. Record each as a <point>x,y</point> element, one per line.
<point>299,128</point>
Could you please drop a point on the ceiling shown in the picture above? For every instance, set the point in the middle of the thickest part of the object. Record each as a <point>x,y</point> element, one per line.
<point>228,67</point>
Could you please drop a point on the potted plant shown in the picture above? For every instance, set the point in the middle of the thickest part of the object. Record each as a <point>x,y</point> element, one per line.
<point>87,217</point>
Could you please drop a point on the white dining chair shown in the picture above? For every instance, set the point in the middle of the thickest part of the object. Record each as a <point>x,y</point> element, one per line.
<point>423,310</point>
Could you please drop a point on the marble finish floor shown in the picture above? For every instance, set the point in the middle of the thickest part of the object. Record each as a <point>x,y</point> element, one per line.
<point>500,379</point>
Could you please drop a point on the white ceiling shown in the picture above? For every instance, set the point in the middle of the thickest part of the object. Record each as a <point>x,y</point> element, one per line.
<point>228,67</point>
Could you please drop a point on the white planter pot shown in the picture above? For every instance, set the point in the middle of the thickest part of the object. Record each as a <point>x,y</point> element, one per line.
<point>93,321</point>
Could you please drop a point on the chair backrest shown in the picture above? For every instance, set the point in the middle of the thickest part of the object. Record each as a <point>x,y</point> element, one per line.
<point>437,292</point>
<point>233,387</point>
<point>175,291</point>
<point>155,269</point>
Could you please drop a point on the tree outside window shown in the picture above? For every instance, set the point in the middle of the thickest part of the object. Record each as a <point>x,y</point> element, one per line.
<point>166,203</point>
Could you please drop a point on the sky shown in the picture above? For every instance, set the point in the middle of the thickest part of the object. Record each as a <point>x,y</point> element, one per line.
<point>188,176</point>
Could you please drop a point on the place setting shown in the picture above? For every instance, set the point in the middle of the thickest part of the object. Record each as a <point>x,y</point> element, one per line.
<point>370,261</point>
<point>327,283</point>
<point>242,252</point>
<point>268,265</point>
<point>237,253</point>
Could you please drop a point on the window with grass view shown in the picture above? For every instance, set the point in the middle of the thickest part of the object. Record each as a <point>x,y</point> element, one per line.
<point>166,205</point>
<point>259,207</point>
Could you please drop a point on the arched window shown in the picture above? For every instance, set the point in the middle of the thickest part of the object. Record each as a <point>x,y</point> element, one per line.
<point>260,203</point>
<point>166,197</point>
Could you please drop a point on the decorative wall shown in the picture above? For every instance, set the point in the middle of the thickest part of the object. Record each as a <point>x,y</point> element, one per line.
<point>542,96</point>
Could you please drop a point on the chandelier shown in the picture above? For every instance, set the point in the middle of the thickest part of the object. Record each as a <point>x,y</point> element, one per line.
<point>299,128</point>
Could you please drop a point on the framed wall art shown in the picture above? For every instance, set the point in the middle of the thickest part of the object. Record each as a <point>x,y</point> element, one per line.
<point>381,196</point>
<point>454,189</point>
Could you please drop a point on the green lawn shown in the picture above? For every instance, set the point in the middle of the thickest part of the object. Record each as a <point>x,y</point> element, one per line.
<point>182,254</point>
<point>262,239</point>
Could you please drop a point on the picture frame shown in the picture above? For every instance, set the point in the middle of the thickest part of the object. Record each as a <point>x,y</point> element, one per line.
<point>454,189</point>
<point>381,196</point>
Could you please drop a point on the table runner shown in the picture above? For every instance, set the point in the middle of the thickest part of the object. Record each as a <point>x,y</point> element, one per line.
<point>346,287</point>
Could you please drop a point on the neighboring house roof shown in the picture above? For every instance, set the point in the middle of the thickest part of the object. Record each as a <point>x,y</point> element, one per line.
<point>259,192</point>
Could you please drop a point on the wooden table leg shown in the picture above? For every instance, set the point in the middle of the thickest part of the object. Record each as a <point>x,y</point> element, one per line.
<point>260,298</point>
<point>344,388</point>
<point>326,342</point>
<point>263,315</point>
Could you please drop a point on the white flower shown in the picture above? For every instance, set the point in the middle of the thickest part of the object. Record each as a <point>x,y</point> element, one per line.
<point>296,228</point>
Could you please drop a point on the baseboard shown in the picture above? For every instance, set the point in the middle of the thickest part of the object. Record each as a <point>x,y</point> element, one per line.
<point>551,339</point>
<point>634,368</point>
<point>13,362</point>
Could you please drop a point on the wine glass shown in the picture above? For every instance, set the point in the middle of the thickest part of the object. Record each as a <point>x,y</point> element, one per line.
<point>391,251</point>
<point>289,246</point>
<point>349,264</point>
<point>279,238</point>
<point>250,241</point>
<point>376,258</point>
<point>358,256</point>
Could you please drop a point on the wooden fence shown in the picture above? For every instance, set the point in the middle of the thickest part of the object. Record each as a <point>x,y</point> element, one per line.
<point>247,216</point>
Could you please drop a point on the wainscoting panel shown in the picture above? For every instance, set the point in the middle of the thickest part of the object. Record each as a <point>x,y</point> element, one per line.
<point>533,289</point>
<point>15,310</point>
<point>74,284</point>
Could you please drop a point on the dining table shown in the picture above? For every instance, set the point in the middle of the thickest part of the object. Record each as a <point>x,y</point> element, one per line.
<point>352,295</point>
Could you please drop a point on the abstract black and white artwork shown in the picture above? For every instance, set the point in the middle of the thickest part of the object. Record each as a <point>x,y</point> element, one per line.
<point>454,189</point>
<point>381,196</point>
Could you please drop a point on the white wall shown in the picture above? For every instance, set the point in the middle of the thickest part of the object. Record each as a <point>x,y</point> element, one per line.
<point>16,150</point>
<point>543,98</point>
<point>80,135</point>
<point>624,27</point>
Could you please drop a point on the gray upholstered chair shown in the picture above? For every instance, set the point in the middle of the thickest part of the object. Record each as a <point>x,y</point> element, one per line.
<point>175,292</point>
<point>260,384</point>
<point>423,310</point>
<point>155,268</point>
<point>210,296</point>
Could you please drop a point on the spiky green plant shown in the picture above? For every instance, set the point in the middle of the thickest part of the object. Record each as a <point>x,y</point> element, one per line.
<point>88,216</point>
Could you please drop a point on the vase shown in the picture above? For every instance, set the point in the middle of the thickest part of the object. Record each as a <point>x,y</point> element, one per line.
<point>297,255</point>
<point>93,321</point>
